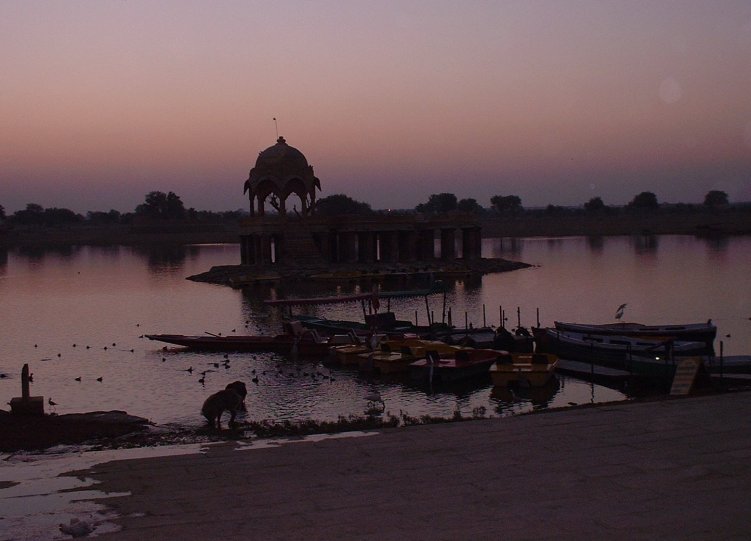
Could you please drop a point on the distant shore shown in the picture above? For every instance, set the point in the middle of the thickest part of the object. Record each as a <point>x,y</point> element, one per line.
<point>728,222</point>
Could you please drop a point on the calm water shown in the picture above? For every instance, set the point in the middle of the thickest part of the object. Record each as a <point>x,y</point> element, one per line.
<point>109,297</point>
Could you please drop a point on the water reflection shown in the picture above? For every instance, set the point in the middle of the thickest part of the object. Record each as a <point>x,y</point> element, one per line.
<point>645,244</point>
<point>716,245</point>
<point>38,253</point>
<point>510,247</point>
<point>165,258</point>
<point>596,243</point>
<point>3,260</point>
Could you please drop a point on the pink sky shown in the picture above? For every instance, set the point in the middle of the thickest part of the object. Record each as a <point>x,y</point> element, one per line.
<point>555,101</point>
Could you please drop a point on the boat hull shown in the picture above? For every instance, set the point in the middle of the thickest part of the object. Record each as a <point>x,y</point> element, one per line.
<point>284,344</point>
<point>534,370</point>
<point>465,364</point>
<point>699,332</point>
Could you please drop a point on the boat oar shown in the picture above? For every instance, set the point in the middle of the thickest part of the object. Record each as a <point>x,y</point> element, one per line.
<point>212,334</point>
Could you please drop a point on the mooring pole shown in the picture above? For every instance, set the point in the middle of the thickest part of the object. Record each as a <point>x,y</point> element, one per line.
<point>484,323</point>
<point>466,321</point>
<point>500,315</point>
<point>427,311</point>
<point>450,320</point>
<point>538,317</point>
<point>518,317</point>
<point>25,383</point>
<point>443,312</point>
<point>415,318</point>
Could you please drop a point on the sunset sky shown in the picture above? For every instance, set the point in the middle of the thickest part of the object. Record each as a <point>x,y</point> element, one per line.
<point>556,101</point>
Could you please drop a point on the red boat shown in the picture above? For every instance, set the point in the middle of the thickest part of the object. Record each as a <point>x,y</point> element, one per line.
<point>466,363</point>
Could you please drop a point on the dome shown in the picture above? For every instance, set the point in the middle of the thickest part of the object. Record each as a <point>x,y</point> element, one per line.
<point>281,155</point>
<point>281,170</point>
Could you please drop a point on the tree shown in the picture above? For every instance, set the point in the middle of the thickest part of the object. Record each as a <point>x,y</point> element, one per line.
<point>340,204</point>
<point>715,199</point>
<point>594,205</point>
<point>506,203</point>
<point>33,214</point>
<point>438,203</point>
<point>56,216</point>
<point>161,205</point>
<point>468,205</point>
<point>99,217</point>
<point>645,200</point>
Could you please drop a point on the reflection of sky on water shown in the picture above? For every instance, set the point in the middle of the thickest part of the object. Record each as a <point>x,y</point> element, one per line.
<point>113,295</point>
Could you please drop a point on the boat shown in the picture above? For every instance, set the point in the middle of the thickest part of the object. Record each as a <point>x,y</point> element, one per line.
<point>464,364</point>
<point>391,361</point>
<point>306,344</point>
<point>384,323</point>
<point>349,354</point>
<point>699,332</point>
<point>582,346</point>
<point>532,369</point>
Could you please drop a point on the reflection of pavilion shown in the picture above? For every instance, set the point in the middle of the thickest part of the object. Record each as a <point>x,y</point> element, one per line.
<point>300,237</point>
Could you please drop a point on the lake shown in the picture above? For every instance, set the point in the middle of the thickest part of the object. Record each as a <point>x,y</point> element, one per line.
<point>55,303</point>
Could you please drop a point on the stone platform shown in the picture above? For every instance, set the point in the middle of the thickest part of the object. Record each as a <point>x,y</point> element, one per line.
<point>670,469</point>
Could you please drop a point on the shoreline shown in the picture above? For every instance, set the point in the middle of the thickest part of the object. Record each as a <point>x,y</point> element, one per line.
<point>705,223</point>
<point>607,472</point>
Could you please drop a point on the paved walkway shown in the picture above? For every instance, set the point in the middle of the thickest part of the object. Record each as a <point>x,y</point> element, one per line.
<point>676,469</point>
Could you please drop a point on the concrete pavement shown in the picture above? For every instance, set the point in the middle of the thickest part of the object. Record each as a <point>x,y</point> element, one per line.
<point>676,469</point>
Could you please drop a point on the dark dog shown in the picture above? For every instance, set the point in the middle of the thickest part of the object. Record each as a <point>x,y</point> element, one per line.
<point>231,399</point>
<point>239,388</point>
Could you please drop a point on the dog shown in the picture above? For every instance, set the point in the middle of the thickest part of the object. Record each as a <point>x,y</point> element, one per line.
<point>240,389</point>
<point>231,399</point>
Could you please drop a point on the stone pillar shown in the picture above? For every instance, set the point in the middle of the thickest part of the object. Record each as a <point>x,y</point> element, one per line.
<point>407,245</point>
<point>389,246</point>
<point>347,247</point>
<point>426,244</point>
<point>471,243</point>
<point>448,248</point>
<point>279,255</point>
<point>323,243</point>
<point>265,249</point>
<point>244,250</point>
<point>366,246</point>
<point>248,249</point>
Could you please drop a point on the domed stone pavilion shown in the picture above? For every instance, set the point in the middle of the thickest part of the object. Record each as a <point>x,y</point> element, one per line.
<point>283,241</point>
<point>281,171</point>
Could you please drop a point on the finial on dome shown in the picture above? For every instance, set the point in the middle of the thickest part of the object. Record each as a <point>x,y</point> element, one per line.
<point>281,140</point>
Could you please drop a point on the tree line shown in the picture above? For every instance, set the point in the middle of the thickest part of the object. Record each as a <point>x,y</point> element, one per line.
<point>168,206</point>
<point>156,206</point>
<point>512,204</point>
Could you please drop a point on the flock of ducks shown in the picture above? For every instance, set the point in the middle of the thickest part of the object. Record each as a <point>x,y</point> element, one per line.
<point>312,374</point>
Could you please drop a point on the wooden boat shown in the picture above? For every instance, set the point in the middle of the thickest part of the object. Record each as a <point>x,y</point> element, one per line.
<point>641,357</point>
<point>390,361</point>
<point>350,354</point>
<point>699,332</point>
<point>464,364</point>
<point>532,369</point>
<point>307,344</point>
